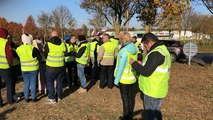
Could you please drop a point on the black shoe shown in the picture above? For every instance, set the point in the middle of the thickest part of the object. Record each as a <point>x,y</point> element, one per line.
<point>26,100</point>
<point>34,100</point>
<point>12,102</point>
<point>125,118</point>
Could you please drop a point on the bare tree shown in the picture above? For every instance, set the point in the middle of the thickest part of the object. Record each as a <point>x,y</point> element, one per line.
<point>97,21</point>
<point>209,5</point>
<point>63,19</point>
<point>187,20</point>
<point>45,22</point>
<point>112,10</point>
<point>84,30</point>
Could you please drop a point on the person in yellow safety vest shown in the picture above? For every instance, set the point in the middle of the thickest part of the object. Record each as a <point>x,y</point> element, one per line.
<point>106,56</point>
<point>73,63</point>
<point>68,60</point>
<point>94,45</point>
<point>139,50</point>
<point>154,76</point>
<point>82,57</point>
<point>55,50</point>
<point>15,67</point>
<point>114,41</point>
<point>5,63</point>
<point>125,76</point>
<point>116,44</point>
<point>137,44</point>
<point>29,56</point>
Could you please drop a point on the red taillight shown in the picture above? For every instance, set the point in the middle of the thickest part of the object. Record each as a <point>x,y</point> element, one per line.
<point>178,47</point>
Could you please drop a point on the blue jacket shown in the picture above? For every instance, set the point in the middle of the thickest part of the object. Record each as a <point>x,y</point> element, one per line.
<point>123,60</point>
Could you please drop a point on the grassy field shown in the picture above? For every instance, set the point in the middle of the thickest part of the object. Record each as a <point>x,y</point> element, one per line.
<point>190,98</point>
<point>205,48</point>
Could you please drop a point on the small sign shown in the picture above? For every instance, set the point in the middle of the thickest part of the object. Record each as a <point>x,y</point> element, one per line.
<point>190,49</point>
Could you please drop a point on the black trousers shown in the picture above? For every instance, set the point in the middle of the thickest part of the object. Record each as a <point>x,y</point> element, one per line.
<point>72,73</point>
<point>6,75</point>
<point>95,71</point>
<point>15,72</point>
<point>128,98</point>
<point>106,76</point>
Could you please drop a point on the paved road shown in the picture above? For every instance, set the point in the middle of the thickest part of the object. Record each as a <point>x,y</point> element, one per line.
<point>207,57</point>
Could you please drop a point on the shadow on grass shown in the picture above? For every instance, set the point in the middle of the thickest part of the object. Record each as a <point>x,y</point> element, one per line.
<point>69,91</point>
<point>4,113</point>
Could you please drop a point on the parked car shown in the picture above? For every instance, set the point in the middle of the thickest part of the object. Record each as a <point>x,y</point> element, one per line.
<point>176,50</point>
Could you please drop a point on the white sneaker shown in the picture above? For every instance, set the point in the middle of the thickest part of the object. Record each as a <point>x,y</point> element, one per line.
<point>59,99</point>
<point>51,101</point>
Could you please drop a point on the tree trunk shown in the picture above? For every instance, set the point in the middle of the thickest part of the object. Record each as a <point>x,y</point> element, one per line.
<point>147,28</point>
<point>117,30</point>
<point>185,34</point>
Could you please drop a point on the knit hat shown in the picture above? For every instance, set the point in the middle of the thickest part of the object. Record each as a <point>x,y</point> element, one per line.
<point>3,33</point>
<point>67,37</point>
<point>81,37</point>
<point>27,38</point>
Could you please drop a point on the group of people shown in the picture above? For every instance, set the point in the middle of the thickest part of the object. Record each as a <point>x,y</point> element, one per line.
<point>113,61</point>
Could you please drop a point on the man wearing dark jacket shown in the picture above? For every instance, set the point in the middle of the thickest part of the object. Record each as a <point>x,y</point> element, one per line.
<point>54,51</point>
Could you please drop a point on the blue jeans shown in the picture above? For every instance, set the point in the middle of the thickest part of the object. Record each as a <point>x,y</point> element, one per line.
<point>81,75</point>
<point>51,76</point>
<point>152,108</point>
<point>30,80</point>
<point>6,75</point>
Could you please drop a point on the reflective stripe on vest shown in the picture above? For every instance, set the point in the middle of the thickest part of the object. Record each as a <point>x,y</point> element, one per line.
<point>3,60</point>
<point>128,75</point>
<point>69,47</point>
<point>161,70</point>
<point>109,50</point>
<point>55,56</point>
<point>156,85</point>
<point>71,58</point>
<point>84,58</point>
<point>28,63</point>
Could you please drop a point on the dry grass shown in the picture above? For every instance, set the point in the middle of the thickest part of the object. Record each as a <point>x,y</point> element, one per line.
<point>190,98</point>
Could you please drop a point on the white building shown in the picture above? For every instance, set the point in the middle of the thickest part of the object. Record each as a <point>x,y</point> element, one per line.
<point>162,34</point>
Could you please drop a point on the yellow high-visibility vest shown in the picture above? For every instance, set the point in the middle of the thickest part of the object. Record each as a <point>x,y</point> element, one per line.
<point>55,56</point>
<point>3,59</point>
<point>28,63</point>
